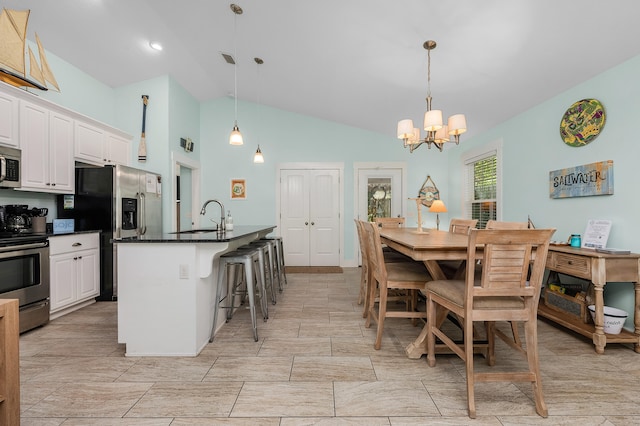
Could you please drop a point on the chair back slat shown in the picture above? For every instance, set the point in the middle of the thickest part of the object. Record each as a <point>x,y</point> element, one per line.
<point>507,257</point>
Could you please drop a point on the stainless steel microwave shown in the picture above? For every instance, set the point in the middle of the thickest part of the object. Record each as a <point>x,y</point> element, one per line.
<point>9,167</point>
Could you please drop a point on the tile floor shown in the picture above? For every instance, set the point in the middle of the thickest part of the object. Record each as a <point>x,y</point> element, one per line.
<point>314,364</point>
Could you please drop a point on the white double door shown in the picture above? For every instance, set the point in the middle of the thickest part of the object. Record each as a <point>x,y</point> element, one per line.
<point>310,216</point>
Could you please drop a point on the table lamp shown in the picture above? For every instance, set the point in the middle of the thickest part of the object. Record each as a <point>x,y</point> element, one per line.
<point>438,207</point>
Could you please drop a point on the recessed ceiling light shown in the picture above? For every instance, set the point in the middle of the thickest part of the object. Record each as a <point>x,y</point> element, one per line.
<point>155,45</point>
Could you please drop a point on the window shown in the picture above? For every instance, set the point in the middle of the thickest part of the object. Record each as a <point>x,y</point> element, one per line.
<point>482,186</point>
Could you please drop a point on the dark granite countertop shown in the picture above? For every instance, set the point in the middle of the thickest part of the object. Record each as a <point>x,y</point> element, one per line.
<point>208,235</point>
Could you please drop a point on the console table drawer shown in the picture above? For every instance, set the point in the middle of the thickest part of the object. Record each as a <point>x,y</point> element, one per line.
<point>579,266</point>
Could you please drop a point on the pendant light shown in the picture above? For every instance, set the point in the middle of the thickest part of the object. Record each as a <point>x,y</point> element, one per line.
<point>236,137</point>
<point>258,157</point>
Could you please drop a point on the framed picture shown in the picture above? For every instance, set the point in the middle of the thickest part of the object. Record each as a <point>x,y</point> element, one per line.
<point>238,189</point>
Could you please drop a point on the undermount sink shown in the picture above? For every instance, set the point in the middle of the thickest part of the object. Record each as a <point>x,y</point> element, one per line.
<point>196,231</point>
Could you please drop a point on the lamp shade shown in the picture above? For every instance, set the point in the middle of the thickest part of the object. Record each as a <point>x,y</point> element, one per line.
<point>433,120</point>
<point>442,135</point>
<point>405,129</point>
<point>457,124</point>
<point>438,207</point>
<point>416,136</point>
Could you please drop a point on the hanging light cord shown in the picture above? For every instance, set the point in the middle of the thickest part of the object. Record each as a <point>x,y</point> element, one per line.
<point>235,66</point>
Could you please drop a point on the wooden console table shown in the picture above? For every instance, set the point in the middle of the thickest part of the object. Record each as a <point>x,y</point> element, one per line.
<point>598,268</point>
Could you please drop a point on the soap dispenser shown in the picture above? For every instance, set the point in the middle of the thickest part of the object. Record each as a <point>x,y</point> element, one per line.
<point>229,221</point>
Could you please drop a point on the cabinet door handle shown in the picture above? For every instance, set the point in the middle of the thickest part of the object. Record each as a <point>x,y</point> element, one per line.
<point>570,262</point>
<point>313,223</point>
<point>306,223</point>
<point>76,244</point>
<point>75,258</point>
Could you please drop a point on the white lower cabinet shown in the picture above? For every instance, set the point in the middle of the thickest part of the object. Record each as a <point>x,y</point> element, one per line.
<point>75,271</point>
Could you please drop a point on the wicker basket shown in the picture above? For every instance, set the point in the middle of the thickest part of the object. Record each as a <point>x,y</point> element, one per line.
<point>575,306</point>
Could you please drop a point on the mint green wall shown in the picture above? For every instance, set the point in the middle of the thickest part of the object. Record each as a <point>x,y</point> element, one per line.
<point>289,137</point>
<point>533,147</point>
<point>79,91</point>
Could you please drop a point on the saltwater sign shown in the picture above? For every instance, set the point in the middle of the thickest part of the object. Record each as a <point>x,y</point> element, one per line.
<point>582,181</point>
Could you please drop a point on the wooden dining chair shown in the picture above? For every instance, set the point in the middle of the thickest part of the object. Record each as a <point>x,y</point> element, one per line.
<point>516,343</point>
<point>390,222</point>
<point>390,256</point>
<point>364,275</point>
<point>504,293</point>
<point>453,268</point>
<point>462,226</point>
<point>389,280</point>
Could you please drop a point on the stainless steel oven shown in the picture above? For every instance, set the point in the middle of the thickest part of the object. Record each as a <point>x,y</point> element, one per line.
<point>24,275</point>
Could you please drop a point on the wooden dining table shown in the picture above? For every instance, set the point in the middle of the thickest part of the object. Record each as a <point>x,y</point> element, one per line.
<point>428,246</point>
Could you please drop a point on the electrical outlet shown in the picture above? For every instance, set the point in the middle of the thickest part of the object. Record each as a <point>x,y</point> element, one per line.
<point>184,272</point>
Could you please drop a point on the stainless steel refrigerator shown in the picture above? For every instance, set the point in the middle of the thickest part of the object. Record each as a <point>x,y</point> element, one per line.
<point>120,201</point>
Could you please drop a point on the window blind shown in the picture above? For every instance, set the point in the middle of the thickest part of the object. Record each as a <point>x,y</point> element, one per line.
<point>481,188</point>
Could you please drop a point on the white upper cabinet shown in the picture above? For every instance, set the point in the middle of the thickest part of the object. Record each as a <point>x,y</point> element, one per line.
<point>9,121</point>
<point>118,149</point>
<point>47,150</point>
<point>99,146</point>
<point>53,138</point>
<point>89,144</point>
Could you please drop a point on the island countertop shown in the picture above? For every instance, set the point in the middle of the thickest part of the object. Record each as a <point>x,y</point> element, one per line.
<point>203,235</point>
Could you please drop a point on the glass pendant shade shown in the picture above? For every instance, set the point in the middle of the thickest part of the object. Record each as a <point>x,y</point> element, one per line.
<point>236,137</point>
<point>433,120</point>
<point>258,157</point>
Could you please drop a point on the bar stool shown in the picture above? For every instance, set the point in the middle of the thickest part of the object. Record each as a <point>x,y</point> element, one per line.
<point>267,266</point>
<point>279,260</point>
<point>247,259</point>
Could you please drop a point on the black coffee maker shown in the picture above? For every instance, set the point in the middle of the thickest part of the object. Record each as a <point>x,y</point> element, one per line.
<point>16,218</point>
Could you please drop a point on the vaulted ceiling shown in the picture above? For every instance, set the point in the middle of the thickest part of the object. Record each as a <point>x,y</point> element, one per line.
<point>356,62</point>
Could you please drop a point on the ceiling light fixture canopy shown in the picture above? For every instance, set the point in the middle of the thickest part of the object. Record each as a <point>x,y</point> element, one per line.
<point>236,137</point>
<point>437,132</point>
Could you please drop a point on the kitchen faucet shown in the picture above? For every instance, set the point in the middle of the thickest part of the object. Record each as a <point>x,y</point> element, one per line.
<point>222,226</point>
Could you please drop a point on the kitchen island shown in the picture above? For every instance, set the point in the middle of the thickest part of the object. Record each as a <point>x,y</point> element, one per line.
<point>167,285</point>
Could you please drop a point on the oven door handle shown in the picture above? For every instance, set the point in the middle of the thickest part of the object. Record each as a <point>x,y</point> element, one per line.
<point>23,247</point>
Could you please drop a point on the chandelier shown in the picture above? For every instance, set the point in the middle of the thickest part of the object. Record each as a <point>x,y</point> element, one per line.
<point>437,132</point>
